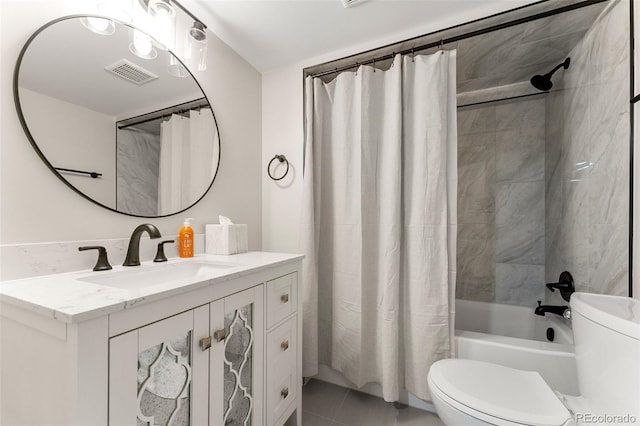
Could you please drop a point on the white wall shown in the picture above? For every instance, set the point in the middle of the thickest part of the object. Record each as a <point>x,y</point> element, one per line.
<point>90,146</point>
<point>36,207</point>
<point>282,125</point>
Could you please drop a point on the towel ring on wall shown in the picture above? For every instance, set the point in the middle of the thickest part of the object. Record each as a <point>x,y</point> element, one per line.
<point>282,159</point>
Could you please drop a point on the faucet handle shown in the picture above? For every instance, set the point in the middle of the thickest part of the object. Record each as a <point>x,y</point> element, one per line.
<point>103,262</point>
<point>564,284</point>
<point>160,256</point>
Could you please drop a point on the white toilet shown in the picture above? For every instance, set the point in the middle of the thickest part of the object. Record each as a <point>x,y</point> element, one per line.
<point>607,346</point>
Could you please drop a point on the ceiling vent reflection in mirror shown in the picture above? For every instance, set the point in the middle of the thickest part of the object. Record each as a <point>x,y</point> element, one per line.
<point>131,72</point>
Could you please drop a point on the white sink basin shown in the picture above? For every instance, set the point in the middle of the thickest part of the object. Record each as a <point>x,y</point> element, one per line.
<point>135,277</point>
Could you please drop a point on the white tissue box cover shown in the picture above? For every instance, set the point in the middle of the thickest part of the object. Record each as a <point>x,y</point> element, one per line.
<point>226,239</point>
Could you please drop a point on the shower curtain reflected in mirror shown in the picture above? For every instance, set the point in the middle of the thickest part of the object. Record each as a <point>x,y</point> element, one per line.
<point>164,166</point>
<point>379,222</point>
<point>187,159</point>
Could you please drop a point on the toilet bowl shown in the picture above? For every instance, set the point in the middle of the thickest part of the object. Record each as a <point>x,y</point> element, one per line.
<point>607,345</point>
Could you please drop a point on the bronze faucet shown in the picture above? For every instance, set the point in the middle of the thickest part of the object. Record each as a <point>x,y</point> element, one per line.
<point>133,252</point>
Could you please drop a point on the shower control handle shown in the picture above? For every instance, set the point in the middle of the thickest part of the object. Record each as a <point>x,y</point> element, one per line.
<point>564,284</point>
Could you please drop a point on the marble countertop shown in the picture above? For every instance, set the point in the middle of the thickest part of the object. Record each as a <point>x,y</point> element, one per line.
<point>77,296</point>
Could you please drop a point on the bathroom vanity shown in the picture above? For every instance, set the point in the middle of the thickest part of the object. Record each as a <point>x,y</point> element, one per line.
<point>209,340</point>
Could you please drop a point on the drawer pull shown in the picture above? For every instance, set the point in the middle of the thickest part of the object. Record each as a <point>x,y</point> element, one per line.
<point>220,335</point>
<point>205,343</point>
<point>284,345</point>
<point>284,393</point>
<point>284,298</point>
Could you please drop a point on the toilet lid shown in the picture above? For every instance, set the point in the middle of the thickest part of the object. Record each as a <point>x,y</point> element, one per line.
<point>502,392</point>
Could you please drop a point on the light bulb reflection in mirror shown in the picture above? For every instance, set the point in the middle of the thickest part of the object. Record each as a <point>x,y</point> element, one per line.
<point>142,46</point>
<point>163,22</point>
<point>101,26</point>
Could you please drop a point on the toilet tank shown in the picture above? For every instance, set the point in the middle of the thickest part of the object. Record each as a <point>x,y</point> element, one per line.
<point>606,333</point>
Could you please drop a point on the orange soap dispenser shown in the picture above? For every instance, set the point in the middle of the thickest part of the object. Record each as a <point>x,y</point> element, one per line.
<point>186,239</point>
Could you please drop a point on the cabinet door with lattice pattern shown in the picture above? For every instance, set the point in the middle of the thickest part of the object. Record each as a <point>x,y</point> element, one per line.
<point>158,374</point>
<point>236,361</point>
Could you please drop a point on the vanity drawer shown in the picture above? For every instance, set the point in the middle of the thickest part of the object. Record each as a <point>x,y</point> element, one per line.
<point>282,381</point>
<point>281,345</point>
<point>282,298</point>
<point>279,398</point>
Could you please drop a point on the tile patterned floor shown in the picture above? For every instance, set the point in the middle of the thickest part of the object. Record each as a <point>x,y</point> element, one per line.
<point>325,404</point>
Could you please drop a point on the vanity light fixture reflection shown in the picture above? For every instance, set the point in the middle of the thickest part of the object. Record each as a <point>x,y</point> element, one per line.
<point>100,26</point>
<point>163,22</point>
<point>158,19</point>
<point>142,46</point>
<point>176,69</point>
<point>106,26</point>
<point>196,48</point>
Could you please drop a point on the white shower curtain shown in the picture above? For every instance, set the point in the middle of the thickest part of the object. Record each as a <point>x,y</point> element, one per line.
<point>174,136</point>
<point>188,157</point>
<point>204,151</point>
<point>378,227</point>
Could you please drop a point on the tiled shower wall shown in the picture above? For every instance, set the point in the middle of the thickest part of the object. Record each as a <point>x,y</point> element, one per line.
<point>138,160</point>
<point>588,160</point>
<point>543,184</point>
<point>501,202</point>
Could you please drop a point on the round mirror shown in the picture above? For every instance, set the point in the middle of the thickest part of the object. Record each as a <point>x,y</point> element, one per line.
<point>116,116</point>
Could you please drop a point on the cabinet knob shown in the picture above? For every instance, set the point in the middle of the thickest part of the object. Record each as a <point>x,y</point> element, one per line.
<point>284,298</point>
<point>284,345</point>
<point>284,393</point>
<point>205,343</point>
<point>220,335</point>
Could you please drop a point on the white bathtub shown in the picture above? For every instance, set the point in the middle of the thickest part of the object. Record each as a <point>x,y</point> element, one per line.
<point>514,336</point>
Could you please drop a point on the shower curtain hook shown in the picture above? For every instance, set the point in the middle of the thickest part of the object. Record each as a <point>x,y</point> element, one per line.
<point>357,67</point>
<point>413,55</point>
<point>374,64</point>
<point>442,46</point>
<point>393,58</point>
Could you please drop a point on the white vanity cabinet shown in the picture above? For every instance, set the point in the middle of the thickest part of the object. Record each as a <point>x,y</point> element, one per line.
<point>203,366</point>
<point>224,353</point>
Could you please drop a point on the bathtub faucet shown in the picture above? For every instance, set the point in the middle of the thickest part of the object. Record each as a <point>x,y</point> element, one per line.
<point>543,309</point>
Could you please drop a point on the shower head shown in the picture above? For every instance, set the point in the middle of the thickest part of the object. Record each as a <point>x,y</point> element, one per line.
<point>543,82</point>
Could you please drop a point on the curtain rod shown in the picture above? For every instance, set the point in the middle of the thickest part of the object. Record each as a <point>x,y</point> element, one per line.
<point>508,98</point>
<point>154,115</point>
<point>444,41</point>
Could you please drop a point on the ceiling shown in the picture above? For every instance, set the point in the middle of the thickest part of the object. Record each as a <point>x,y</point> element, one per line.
<point>274,33</point>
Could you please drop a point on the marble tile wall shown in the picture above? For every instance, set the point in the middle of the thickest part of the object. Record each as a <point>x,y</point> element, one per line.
<point>501,202</point>
<point>587,160</point>
<point>138,163</point>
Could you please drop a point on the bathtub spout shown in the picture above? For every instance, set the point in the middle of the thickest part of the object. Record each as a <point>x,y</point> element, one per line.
<point>543,309</point>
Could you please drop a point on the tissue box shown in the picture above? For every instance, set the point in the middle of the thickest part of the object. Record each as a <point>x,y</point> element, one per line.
<point>226,239</point>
